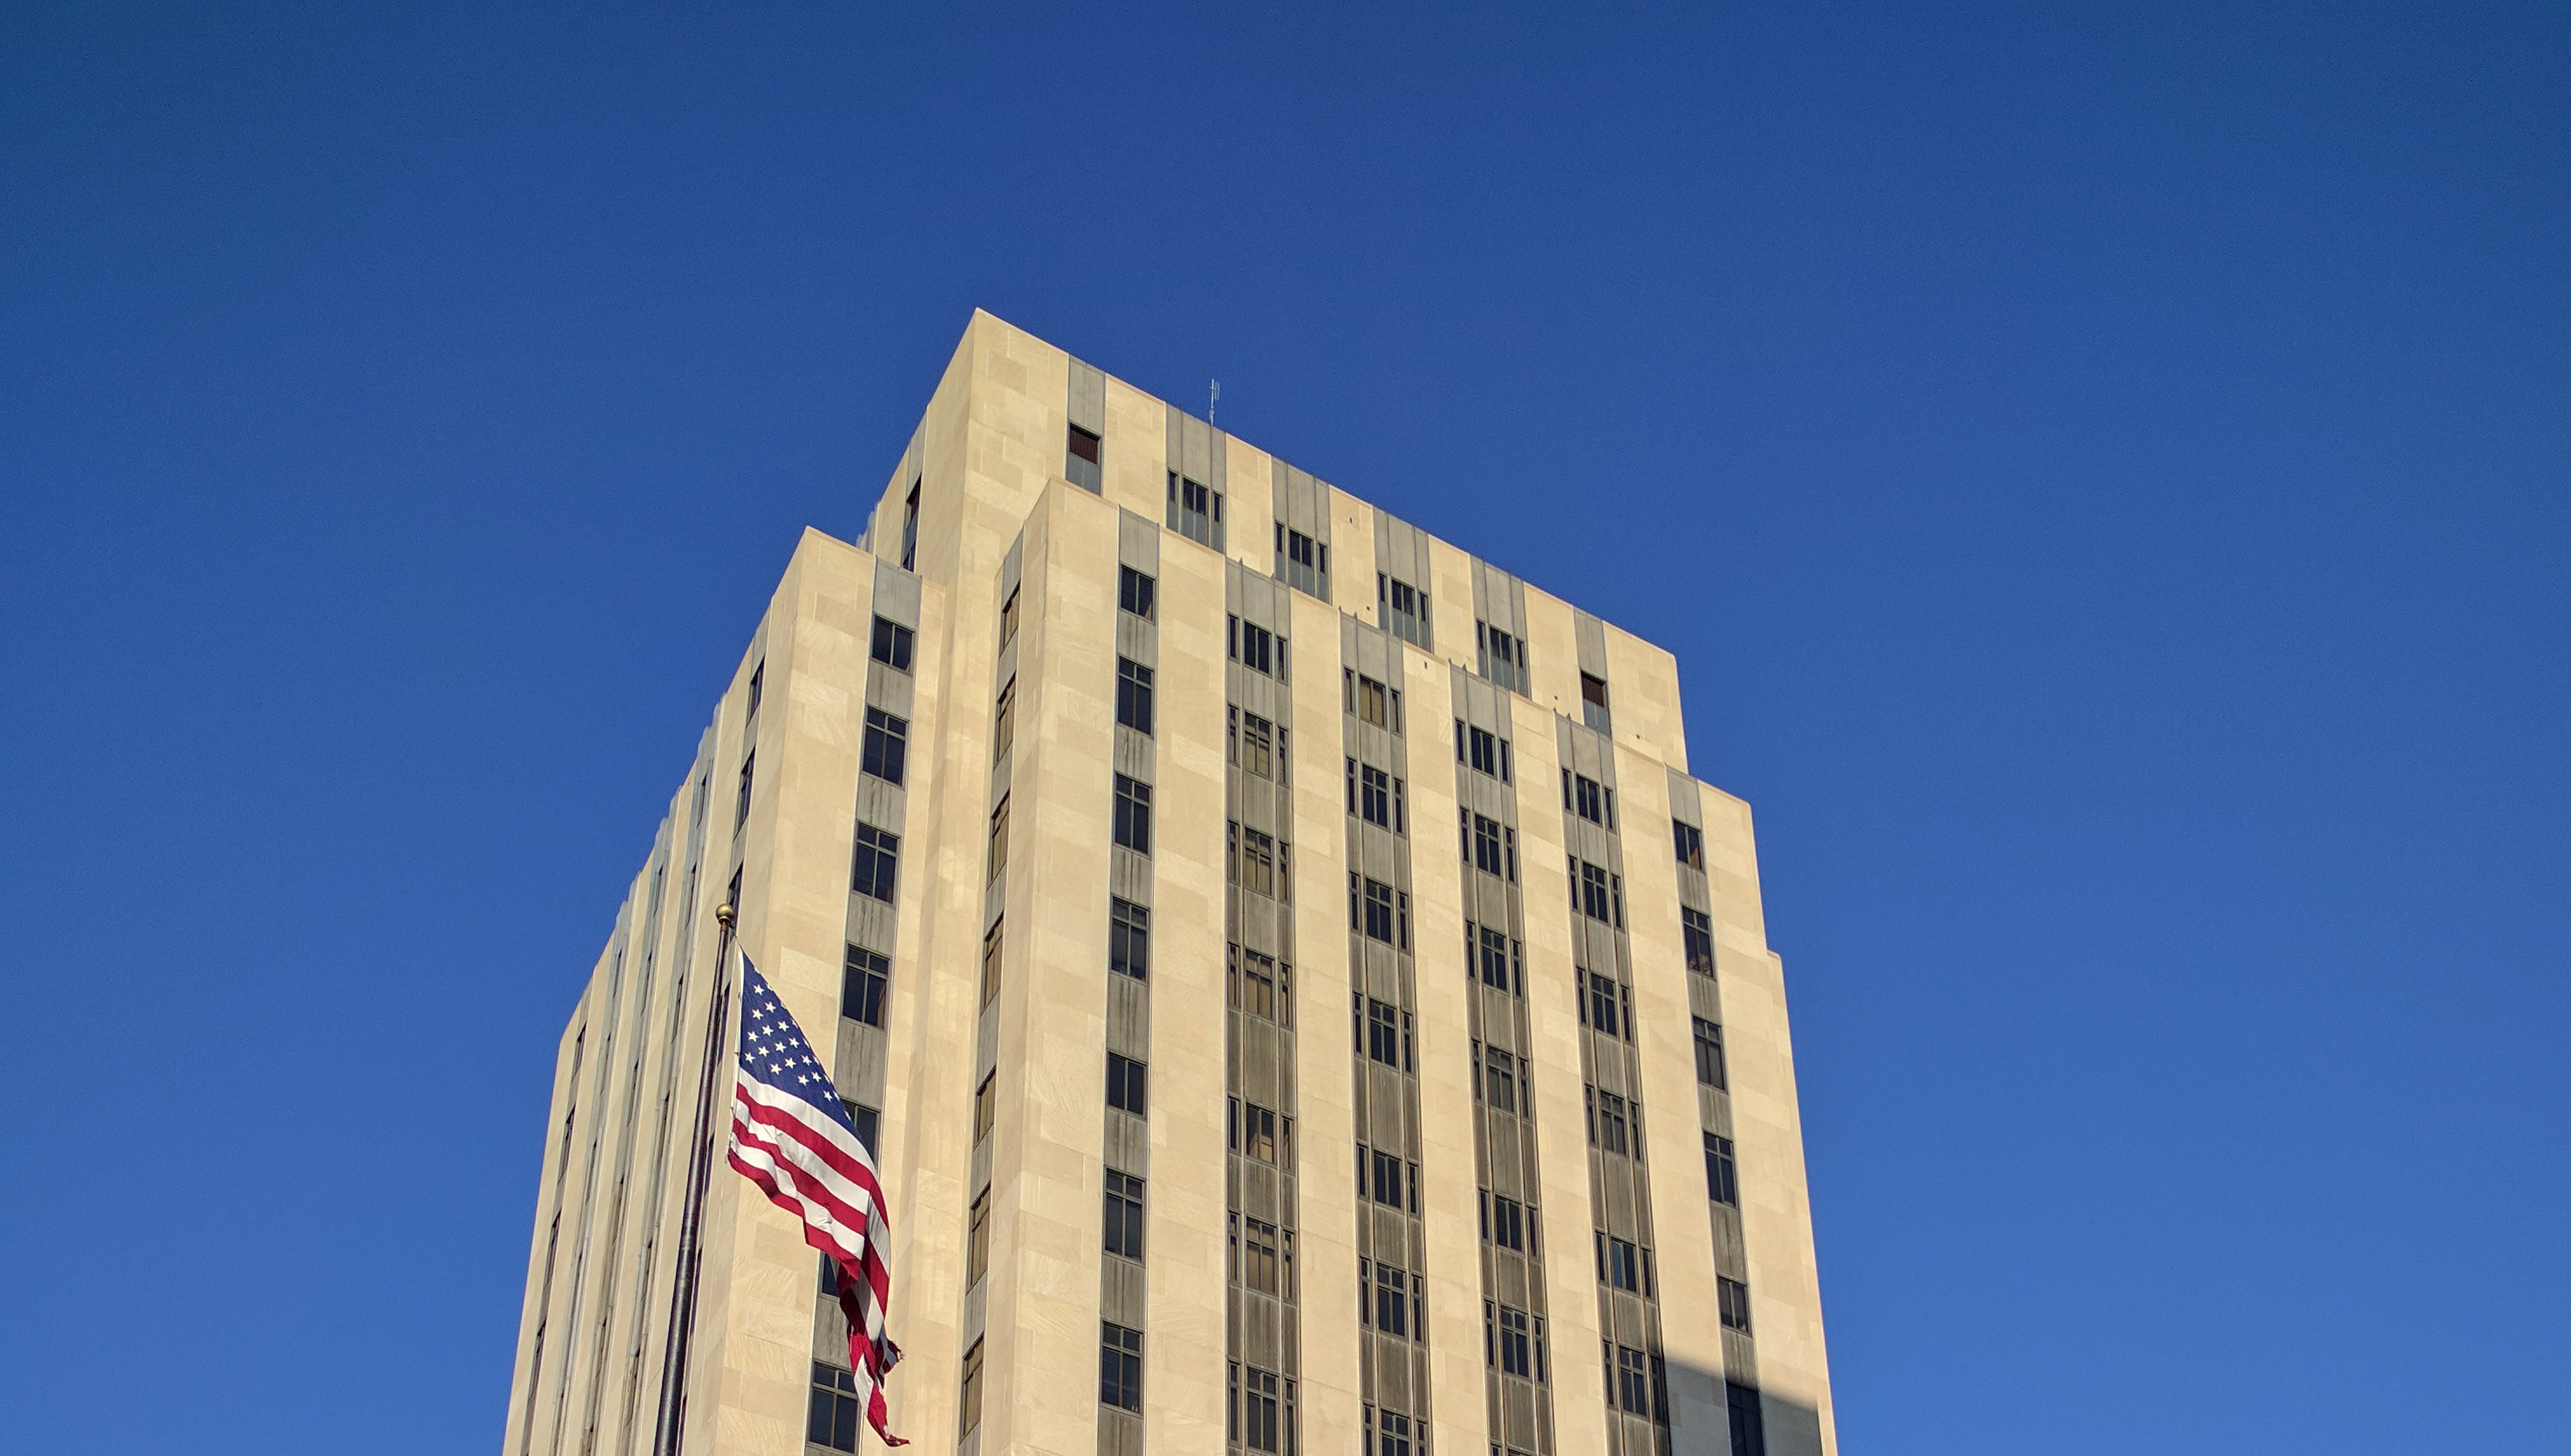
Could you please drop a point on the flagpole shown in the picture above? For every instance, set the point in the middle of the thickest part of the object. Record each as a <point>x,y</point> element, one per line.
<point>670,1432</point>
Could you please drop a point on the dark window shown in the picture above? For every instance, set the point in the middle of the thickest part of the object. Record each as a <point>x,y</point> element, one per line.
<point>758,688</point>
<point>1255,745</point>
<point>879,855</point>
<point>887,742</point>
<point>1593,702</point>
<point>1506,1342</point>
<point>1135,592</point>
<point>1134,695</point>
<point>1256,860</point>
<point>1125,1090</point>
<point>1483,750</point>
<point>1009,618</point>
<point>1124,1215</point>
<point>1503,657</point>
<point>1256,1409</point>
<point>977,1238</point>
<point>834,1418</point>
<point>861,986</point>
<point>863,1121</point>
<point>1376,796</point>
<point>1390,1308</point>
<point>1003,721</point>
<point>1391,1432</point>
<point>740,810</point>
<point>1080,462</point>
<point>1748,1425</point>
<point>1195,511</point>
<point>1606,1120</point>
<point>1633,1377</point>
<point>1375,917</point>
<point>1120,1366</point>
<point>1256,1261</point>
<point>1387,1034</point>
<point>1303,561</point>
<point>1696,931</point>
<point>1255,648</point>
<point>1599,1008</point>
<point>1253,1132</point>
<point>1383,1177</point>
<point>969,1407</point>
<point>1589,889</point>
<point>1620,1263</point>
<point>1691,843</point>
<point>1133,814</point>
<point>1486,847</point>
<point>1129,938</point>
<point>986,1107</point>
<point>1498,1080</point>
<point>1259,986</point>
<point>892,645</point>
<point>1370,701</point>
<point>1504,1221</point>
<point>1585,796</point>
<point>999,854</point>
<point>1732,1299</point>
<point>910,536</point>
<point>1402,609</point>
<point>1722,1174</point>
<point>1497,955</point>
<point>1709,1054</point>
<point>991,962</point>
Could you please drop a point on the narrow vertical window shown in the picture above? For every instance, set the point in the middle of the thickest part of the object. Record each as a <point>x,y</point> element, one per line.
<point>1721,1173</point>
<point>877,860</point>
<point>998,859</point>
<point>977,1238</point>
<point>1135,592</point>
<point>886,746</point>
<point>911,529</point>
<point>1133,696</point>
<point>1133,826</point>
<point>1691,843</point>
<point>892,645</point>
<point>1126,1091</point>
<point>863,979</point>
<point>1129,938</point>
<point>1710,1069</point>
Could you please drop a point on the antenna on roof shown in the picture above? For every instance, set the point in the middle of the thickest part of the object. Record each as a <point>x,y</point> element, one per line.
<point>1214,397</point>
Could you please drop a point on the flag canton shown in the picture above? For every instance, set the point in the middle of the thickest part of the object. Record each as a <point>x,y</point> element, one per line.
<point>774,1051</point>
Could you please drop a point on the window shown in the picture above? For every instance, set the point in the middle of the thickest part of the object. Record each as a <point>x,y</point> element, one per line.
<point>1485,839</point>
<point>1255,1409</point>
<point>1135,592</point>
<point>1369,700</point>
<point>1691,843</point>
<point>1587,798</point>
<point>1606,1120</point>
<point>887,742</point>
<point>911,532</point>
<point>1607,1006</point>
<point>863,1121</point>
<point>977,1238</point>
<point>1253,1132</point>
<point>1500,957</point>
<point>1254,744</point>
<point>1385,1178</point>
<point>1303,561</point>
<point>1696,929</point>
<point>1401,608</point>
<point>1390,1433</point>
<point>1589,889</point>
<point>1125,1090</point>
<point>1630,1380</point>
<point>1255,648</point>
<point>998,859</point>
<point>879,855</point>
<point>740,810</point>
<point>1374,915</point>
<point>1732,1297</point>
<point>1257,1264</point>
<point>1080,462</point>
<point>1620,1263</point>
<point>1503,657</point>
<point>1009,618</point>
<point>1129,938</point>
<point>1749,1426</point>
<point>1134,695</point>
<point>892,645</point>
<point>969,1407</point>
<point>1388,1308</point>
<point>1387,1034</point>
<point>1504,1221</point>
<point>1498,1077</point>
<point>861,986</point>
<point>1709,1054</point>
<point>986,1107</point>
<point>1258,986</point>
<point>1485,752</point>
<point>1377,797</point>
<point>1120,1366</point>
<point>758,688</point>
<point>1593,702</point>
<point>991,962</point>
<point>1506,1341</point>
<point>1195,511</point>
<point>1722,1174</point>
<point>1003,721</point>
<point>1133,814</point>
<point>834,1419</point>
<point>1124,1215</point>
<point>1254,859</point>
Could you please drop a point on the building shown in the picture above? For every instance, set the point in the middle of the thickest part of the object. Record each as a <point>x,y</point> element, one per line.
<point>1067,810</point>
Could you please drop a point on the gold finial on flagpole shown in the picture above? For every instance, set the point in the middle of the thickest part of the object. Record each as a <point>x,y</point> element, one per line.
<point>723,915</point>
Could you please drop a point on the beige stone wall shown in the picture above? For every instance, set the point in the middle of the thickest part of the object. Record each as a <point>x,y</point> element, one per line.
<point>989,453</point>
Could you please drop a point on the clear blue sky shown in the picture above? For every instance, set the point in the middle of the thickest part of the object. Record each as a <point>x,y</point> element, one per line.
<point>2106,477</point>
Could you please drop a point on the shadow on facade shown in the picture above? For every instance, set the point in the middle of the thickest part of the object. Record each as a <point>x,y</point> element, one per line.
<point>1710,1416</point>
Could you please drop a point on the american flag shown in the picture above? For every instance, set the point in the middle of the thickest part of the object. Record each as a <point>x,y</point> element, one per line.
<point>792,1136</point>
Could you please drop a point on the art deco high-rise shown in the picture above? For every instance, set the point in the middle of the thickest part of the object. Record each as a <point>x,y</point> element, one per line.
<point>1299,998</point>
